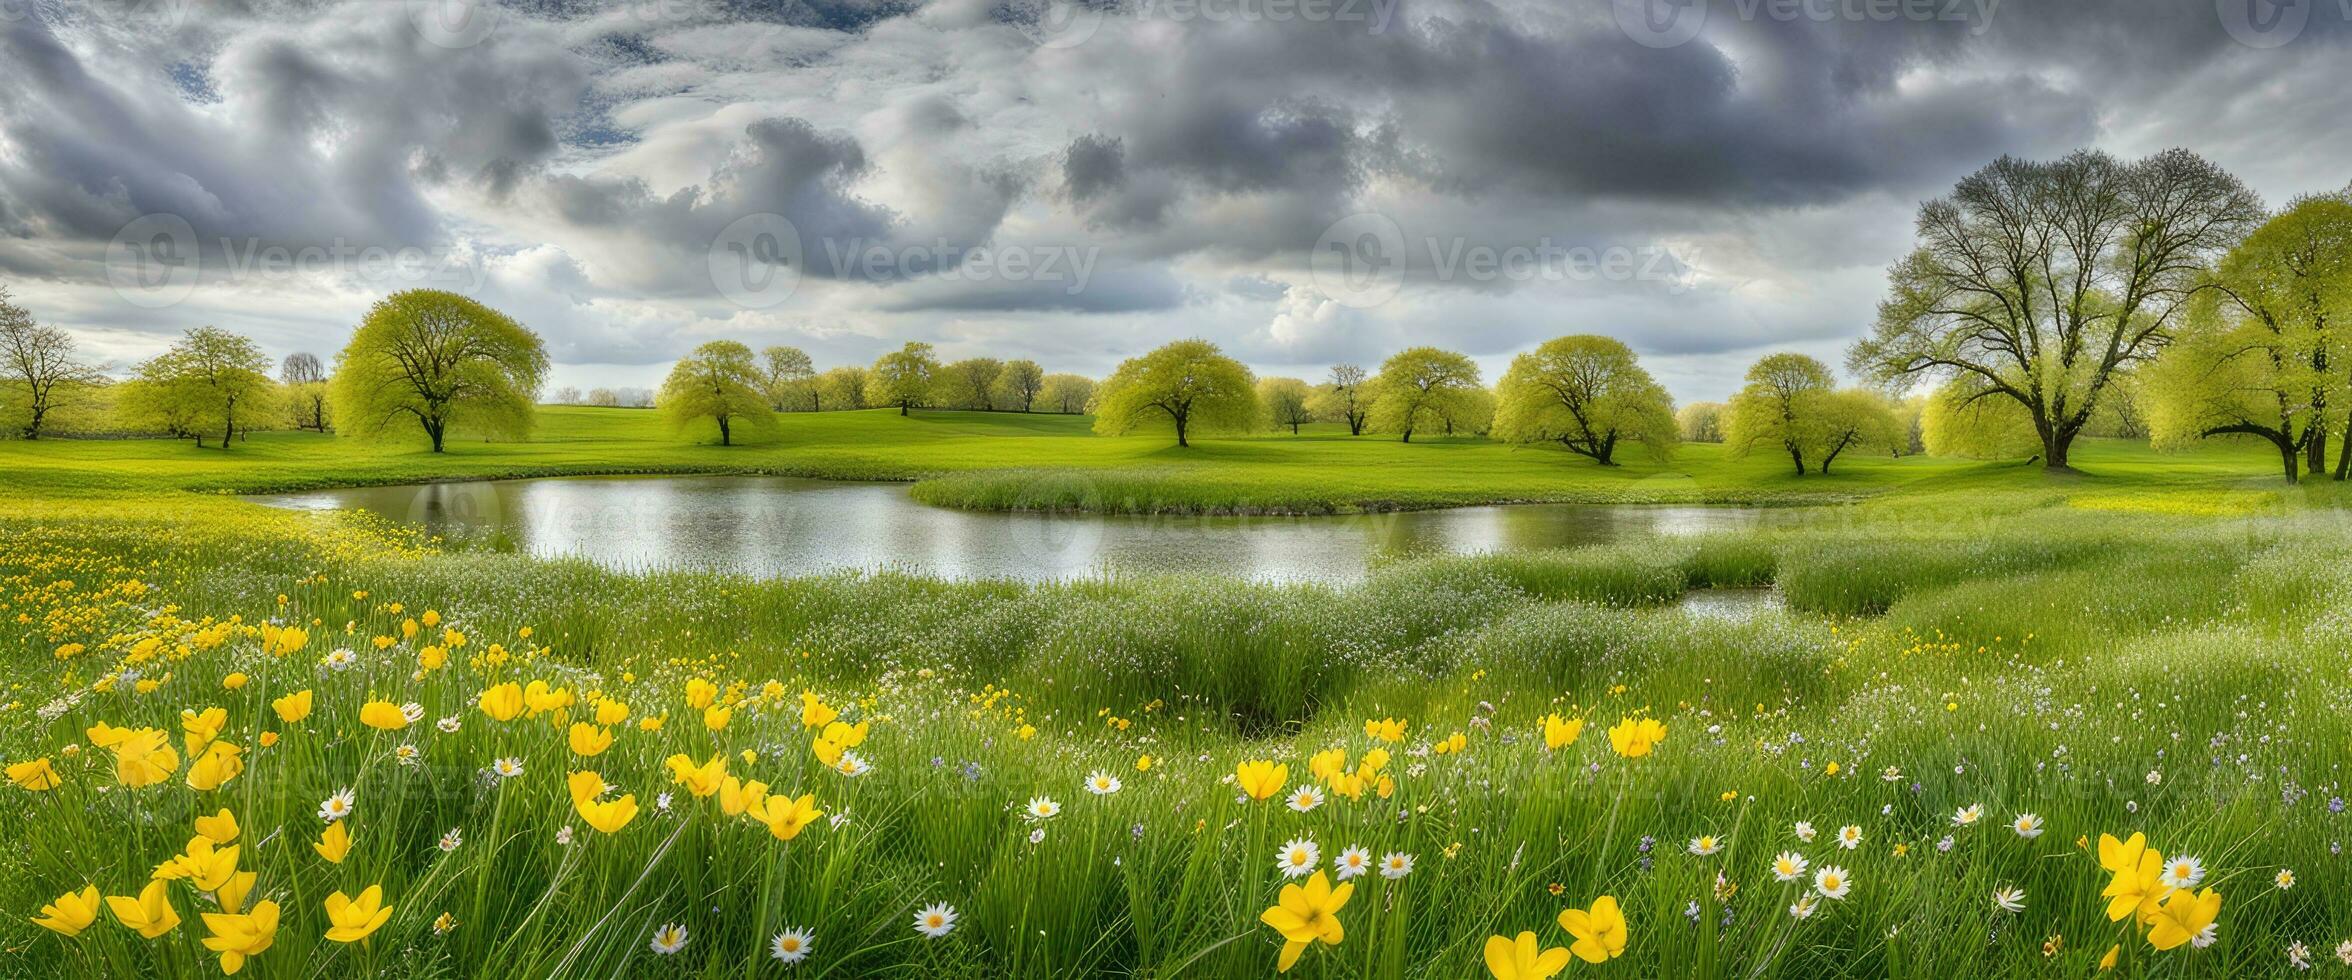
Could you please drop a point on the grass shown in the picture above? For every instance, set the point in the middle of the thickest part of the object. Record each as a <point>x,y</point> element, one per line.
<point>2157,645</point>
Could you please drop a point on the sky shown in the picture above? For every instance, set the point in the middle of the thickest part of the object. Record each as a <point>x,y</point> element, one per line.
<point>1303,182</point>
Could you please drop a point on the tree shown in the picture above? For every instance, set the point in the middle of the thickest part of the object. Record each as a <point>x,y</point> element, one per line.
<point>843,387</point>
<point>905,377</point>
<point>1700,422</point>
<point>39,363</point>
<point>1857,419</point>
<point>1190,383</point>
<point>1285,400</point>
<point>306,390</point>
<point>1067,393</point>
<point>1953,424</point>
<point>1417,388</point>
<point>604,398</point>
<point>971,383</point>
<point>1020,383</point>
<point>566,395</point>
<point>1588,393</point>
<point>1781,406</point>
<point>721,381</point>
<point>2267,359</point>
<point>2040,282</point>
<point>1346,397</point>
<point>434,357</point>
<point>790,382</point>
<point>202,383</point>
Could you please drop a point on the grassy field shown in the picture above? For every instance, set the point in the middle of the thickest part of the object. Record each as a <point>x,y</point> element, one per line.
<point>2157,645</point>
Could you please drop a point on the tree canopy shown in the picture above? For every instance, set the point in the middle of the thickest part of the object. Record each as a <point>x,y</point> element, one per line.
<point>905,377</point>
<point>790,381</point>
<point>1019,384</point>
<point>721,381</point>
<point>1421,388</point>
<point>211,381</point>
<point>1346,396</point>
<point>434,358</point>
<point>1189,383</point>
<point>38,364</point>
<point>1285,401</point>
<point>1067,393</point>
<point>1588,393</point>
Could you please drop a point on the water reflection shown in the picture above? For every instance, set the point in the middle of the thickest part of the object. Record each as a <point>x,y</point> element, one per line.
<point>781,526</point>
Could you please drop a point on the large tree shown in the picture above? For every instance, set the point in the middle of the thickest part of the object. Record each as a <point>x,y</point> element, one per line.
<point>1700,421</point>
<point>1782,405</point>
<point>1285,400</point>
<point>2040,282</point>
<point>1587,393</point>
<point>1189,383</point>
<point>905,377</point>
<point>790,381</point>
<point>723,382</point>
<point>2266,358</point>
<point>1019,384</point>
<point>1421,387</point>
<point>971,383</point>
<point>211,381</point>
<point>39,362</point>
<point>843,387</point>
<point>306,389</point>
<point>1067,393</point>
<point>1345,397</point>
<point>435,357</point>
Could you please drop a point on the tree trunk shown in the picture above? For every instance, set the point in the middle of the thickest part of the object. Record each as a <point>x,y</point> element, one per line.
<point>435,429</point>
<point>1798,456</point>
<point>228,426</point>
<point>1180,432</point>
<point>2054,449</point>
<point>2344,456</point>
<point>1408,434</point>
<point>723,435</point>
<point>2288,457</point>
<point>2315,440</point>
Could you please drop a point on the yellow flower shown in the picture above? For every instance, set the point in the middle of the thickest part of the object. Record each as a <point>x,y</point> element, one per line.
<point>1599,932</point>
<point>220,828</point>
<point>234,681</point>
<point>1327,762</point>
<point>786,816</point>
<point>383,715</point>
<point>150,914</point>
<point>144,758</point>
<point>432,658</point>
<point>608,816</point>
<point>293,707</point>
<point>541,699</point>
<point>2184,919</point>
<point>268,739</point>
<point>2139,871</point>
<point>199,728</point>
<point>715,718</point>
<point>2107,962</point>
<point>588,739</point>
<point>813,711</point>
<point>737,796</point>
<point>1390,730</point>
<point>354,919</point>
<point>611,712</point>
<point>1523,959</point>
<point>71,913</point>
<point>1305,914</point>
<point>236,937</point>
<point>702,780</point>
<point>333,843</point>
<point>700,693</point>
<point>1143,763</point>
<point>220,763</point>
<point>209,867</point>
<point>502,702</point>
<point>584,785</point>
<point>36,775</point>
<point>1261,779</point>
<point>1561,732</point>
<point>1634,739</point>
<point>231,894</point>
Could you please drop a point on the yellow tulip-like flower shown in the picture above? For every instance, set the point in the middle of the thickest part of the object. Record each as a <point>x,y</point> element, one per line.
<point>150,914</point>
<point>1327,762</point>
<point>539,699</point>
<point>785,816</point>
<point>611,712</point>
<point>1261,779</point>
<point>2185,918</point>
<point>71,913</point>
<point>1559,733</point>
<point>699,693</point>
<point>702,780</point>
<point>1390,730</point>
<point>107,736</point>
<point>383,715</point>
<point>715,717</point>
<point>352,920</point>
<point>268,739</point>
<point>279,641</point>
<point>235,681</point>
<point>205,864</point>
<point>231,894</point>
<point>2107,962</point>
<point>432,658</point>
<point>294,707</point>
<point>1523,958</point>
<point>1634,739</point>
<point>502,702</point>
<point>333,843</point>
<point>814,713</point>
<point>220,828</point>
<point>2138,884</point>
<point>199,728</point>
<point>239,936</point>
<point>36,775</point>
<point>588,740</point>
<point>586,784</point>
<point>608,816</point>
<point>1599,931</point>
<point>220,763</point>
<point>846,735</point>
<point>1305,914</point>
<point>737,796</point>
<point>144,758</point>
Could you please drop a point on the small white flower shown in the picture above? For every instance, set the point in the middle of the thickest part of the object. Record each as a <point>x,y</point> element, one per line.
<point>507,767</point>
<point>2344,952</point>
<point>668,939</point>
<point>2285,879</point>
<point>449,725</point>
<point>412,711</point>
<point>1789,866</point>
<point>1041,808</point>
<point>1849,837</point>
<point>408,755</point>
<point>1967,816</point>
<point>2027,826</point>
<point>1832,882</point>
<point>1804,907</point>
<point>452,840</point>
<point>1705,845</point>
<point>1395,865</point>
<point>342,658</point>
<point>935,920</point>
<point>2155,777</point>
<point>1352,862</point>
<point>852,766</point>
<point>1805,831</point>
<point>563,835</point>
<point>2182,871</point>
<point>792,945</point>
<point>2009,898</point>
<point>1102,783</point>
<point>1298,858</point>
<point>2299,955</point>
<point>1307,798</point>
<point>1037,836</point>
<point>662,802</point>
<point>337,806</point>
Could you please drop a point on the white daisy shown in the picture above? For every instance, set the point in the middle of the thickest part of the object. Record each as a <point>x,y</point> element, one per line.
<point>2027,826</point>
<point>1805,831</point>
<point>337,806</point>
<point>1967,816</point>
<point>1041,808</point>
<point>342,658</point>
<point>1849,837</point>
<point>792,945</point>
<point>1805,905</point>
<point>1831,881</point>
<point>1307,798</point>
<point>2183,871</point>
<point>452,840</point>
<point>507,767</point>
<point>1789,866</point>
<point>852,766</point>
<point>1705,845</point>
<point>412,711</point>
<point>1395,865</point>
<point>668,939</point>
<point>449,724</point>
<point>2009,898</point>
<point>2285,879</point>
<point>1298,858</point>
<point>1352,862</point>
<point>935,920</point>
<point>563,835</point>
<point>1102,783</point>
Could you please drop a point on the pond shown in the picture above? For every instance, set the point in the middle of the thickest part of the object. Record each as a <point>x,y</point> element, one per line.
<point>782,526</point>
